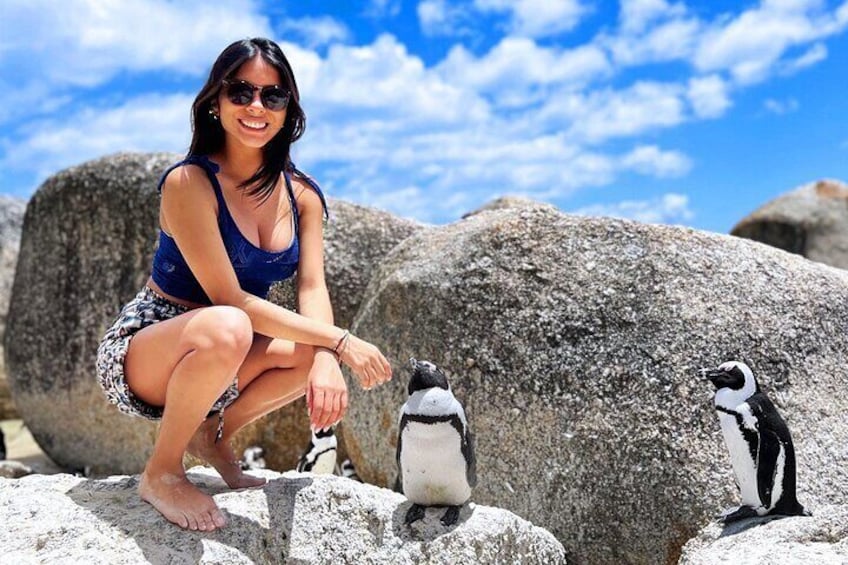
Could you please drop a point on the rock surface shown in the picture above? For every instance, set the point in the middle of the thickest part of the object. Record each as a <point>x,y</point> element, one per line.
<point>86,246</point>
<point>100,222</point>
<point>821,539</point>
<point>294,518</point>
<point>11,219</point>
<point>811,221</point>
<point>574,342</point>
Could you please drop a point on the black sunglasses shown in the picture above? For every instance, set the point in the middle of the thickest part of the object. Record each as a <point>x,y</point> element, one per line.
<point>240,93</point>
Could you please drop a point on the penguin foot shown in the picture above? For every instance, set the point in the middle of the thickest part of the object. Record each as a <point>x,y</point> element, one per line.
<point>415,513</point>
<point>740,513</point>
<point>451,516</point>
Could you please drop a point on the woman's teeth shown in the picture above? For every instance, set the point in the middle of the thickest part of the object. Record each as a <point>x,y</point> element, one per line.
<point>254,125</point>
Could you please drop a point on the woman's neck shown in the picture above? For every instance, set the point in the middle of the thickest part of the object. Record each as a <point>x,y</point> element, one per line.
<point>240,163</point>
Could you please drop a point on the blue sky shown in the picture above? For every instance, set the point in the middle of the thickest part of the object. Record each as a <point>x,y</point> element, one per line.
<point>691,113</point>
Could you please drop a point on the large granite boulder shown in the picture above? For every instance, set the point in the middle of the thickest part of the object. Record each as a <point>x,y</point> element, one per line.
<point>811,220</point>
<point>574,342</point>
<point>822,539</point>
<point>87,242</point>
<point>87,245</point>
<point>356,238</point>
<point>11,218</point>
<point>294,518</point>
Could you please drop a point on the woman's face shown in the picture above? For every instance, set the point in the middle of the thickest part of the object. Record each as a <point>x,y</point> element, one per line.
<point>251,125</point>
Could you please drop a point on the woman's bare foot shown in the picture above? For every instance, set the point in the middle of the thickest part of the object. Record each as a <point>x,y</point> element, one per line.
<point>180,502</point>
<point>220,455</point>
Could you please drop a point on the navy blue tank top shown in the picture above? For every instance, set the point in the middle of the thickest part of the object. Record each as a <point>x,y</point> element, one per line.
<point>255,268</point>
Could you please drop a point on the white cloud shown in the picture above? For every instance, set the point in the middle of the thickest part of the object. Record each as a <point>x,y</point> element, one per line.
<point>519,65</point>
<point>536,18</point>
<point>382,8</point>
<point>668,41</point>
<point>85,43</point>
<point>604,114</point>
<point>671,208</point>
<point>708,96</point>
<point>148,123</point>
<point>751,46</point>
<point>439,17</point>
<point>781,107</point>
<point>635,15</point>
<point>651,160</point>
<point>315,32</point>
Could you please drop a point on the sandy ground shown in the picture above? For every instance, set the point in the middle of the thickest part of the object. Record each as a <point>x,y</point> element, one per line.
<point>20,446</point>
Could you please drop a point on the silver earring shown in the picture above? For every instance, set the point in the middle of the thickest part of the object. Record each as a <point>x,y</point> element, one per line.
<point>213,114</point>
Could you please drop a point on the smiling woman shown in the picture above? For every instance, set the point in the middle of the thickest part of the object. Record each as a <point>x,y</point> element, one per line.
<point>200,338</point>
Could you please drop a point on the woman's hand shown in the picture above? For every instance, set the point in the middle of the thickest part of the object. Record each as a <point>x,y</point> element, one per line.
<point>326,391</point>
<point>366,362</point>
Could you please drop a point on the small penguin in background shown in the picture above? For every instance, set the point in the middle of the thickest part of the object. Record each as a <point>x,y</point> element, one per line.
<point>347,470</point>
<point>435,448</point>
<point>761,450</point>
<point>253,458</point>
<point>320,455</point>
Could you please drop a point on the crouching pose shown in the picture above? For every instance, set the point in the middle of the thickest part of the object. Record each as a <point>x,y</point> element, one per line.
<point>200,346</point>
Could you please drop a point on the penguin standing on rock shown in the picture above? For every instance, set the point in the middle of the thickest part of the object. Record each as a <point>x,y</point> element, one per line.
<point>435,449</point>
<point>320,455</point>
<point>761,450</point>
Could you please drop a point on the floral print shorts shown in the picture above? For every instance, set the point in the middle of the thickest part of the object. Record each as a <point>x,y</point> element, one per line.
<point>147,308</point>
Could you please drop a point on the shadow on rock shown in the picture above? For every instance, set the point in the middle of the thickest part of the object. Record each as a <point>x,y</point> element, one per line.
<point>245,538</point>
<point>430,526</point>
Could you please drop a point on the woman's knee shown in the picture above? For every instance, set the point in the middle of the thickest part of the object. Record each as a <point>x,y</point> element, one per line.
<point>224,331</point>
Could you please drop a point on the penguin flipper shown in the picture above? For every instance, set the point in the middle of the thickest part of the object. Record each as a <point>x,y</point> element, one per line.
<point>468,452</point>
<point>767,457</point>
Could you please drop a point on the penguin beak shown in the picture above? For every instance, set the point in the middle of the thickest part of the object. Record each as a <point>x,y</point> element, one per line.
<point>710,374</point>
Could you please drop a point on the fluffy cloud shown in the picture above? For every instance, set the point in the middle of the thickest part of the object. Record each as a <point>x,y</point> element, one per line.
<point>536,18</point>
<point>708,96</point>
<point>671,208</point>
<point>314,32</point>
<point>85,43</point>
<point>439,17</point>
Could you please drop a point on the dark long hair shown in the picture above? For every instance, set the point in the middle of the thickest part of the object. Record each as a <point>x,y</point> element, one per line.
<point>207,133</point>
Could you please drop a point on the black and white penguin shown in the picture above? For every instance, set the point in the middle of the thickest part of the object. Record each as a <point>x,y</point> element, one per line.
<point>435,449</point>
<point>761,450</point>
<point>320,455</point>
<point>253,458</point>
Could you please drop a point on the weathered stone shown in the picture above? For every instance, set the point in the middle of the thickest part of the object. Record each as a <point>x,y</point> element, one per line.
<point>87,245</point>
<point>811,221</point>
<point>573,344</point>
<point>14,470</point>
<point>11,218</point>
<point>294,518</point>
<point>821,539</point>
<point>511,203</point>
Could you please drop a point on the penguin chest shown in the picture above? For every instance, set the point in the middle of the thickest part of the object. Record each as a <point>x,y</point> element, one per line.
<point>744,465</point>
<point>432,465</point>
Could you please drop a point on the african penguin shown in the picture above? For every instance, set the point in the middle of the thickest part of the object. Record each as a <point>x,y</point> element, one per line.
<point>435,449</point>
<point>759,442</point>
<point>253,458</point>
<point>320,456</point>
<point>347,470</point>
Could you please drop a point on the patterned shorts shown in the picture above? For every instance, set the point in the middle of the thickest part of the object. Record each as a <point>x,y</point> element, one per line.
<point>145,309</point>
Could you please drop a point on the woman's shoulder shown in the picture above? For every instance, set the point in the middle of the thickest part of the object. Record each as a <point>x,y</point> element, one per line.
<point>307,192</point>
<point>186,176</point>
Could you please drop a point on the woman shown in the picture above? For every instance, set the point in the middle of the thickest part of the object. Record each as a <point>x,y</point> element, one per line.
<point>200,339</point>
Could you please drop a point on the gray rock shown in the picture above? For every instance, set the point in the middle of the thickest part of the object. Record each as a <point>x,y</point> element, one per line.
<point>99,222</point>
<point>87,242</point>
<point>811,221</point>
<point>822,539</point>
<point>511,203</point>
<point>11,219</point>
<point>294,518</point>
<point>573,343</point>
